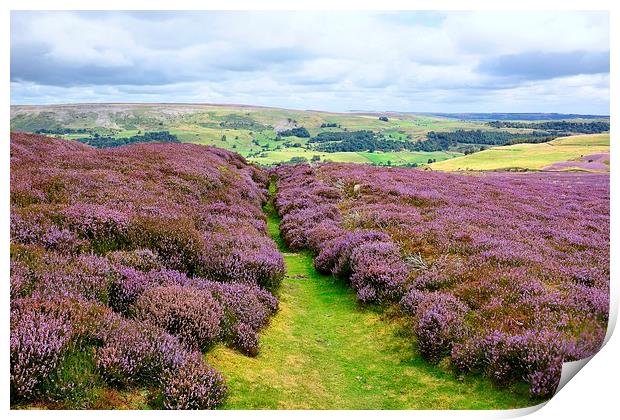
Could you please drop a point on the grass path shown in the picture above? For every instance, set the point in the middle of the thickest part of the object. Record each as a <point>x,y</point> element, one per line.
<point>322,350</point>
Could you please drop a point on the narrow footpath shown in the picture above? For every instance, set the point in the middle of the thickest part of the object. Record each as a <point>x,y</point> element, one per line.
<point>323,350</point>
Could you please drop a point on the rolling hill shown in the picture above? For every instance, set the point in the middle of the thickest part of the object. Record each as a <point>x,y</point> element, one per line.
<point>566,153</point>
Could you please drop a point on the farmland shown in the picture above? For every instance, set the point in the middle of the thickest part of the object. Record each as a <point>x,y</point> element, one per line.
<point>249,131</point>
<point>532,156</point>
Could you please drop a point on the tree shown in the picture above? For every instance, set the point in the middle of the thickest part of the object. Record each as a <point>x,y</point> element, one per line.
<point>297,159</point>
<point>297,132</point>
<point>223,137</point>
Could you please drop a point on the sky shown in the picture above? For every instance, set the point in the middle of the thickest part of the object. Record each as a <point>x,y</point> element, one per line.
<point>335,61</point>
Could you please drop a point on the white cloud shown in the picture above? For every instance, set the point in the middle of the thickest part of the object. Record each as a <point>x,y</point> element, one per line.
<point>332,60</point>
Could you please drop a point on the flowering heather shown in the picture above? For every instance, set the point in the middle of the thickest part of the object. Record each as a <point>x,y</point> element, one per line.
<point>190,314</point>
<point>192,386</point>
<point>38,343</point>
<point>137,257</point>
<point>439,321</point>
<point>521,256</point>
<point>169,199</point>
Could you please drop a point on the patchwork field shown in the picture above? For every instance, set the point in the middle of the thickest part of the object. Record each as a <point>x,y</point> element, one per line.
<point>534,156</point>
<point>267,136</point>
<point>249,131</point>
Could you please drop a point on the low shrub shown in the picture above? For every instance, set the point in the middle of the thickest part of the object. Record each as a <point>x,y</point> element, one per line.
<point>190,314</point>
<point>192,386</point>
<point>378,273</point>
<point>39,342</point>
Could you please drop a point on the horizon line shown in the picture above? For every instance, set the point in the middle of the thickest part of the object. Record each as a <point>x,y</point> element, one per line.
<point>353,111</point>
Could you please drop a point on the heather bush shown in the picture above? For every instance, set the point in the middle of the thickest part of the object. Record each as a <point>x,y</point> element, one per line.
<point>126,287</point>
<point>411,301</point>
<point>320,234</point>
<point>36,228</point>
<point>193,385</point>
<point>244,339</point>
<point>534,357</point>
<point>104,227</point>
<point>21,280</point>
<point>246,309</point>
<point>129,284</point>
<point>295,224</point>
<point>335,257</point>
<point>244,259</point>
<point>350,242</point>
<point>176,241</point>
<point>441,275</point>
<point>135,352</point>
<point>328,255</point>
<point>83,276</point>
<point>39,342</point>
<point>139,259</point>
<point>439,322</point>
<point>190,314</point>
<point>379,273</point>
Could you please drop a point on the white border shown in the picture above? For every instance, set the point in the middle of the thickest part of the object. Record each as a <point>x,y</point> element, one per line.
<point>592,395</point>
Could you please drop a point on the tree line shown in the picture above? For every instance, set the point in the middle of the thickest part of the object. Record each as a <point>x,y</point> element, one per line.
<point>355,141</point>
<point>436,141</point>
<point>297,132</point>
<point>101,142</point>
<point>590,127</point>
<point>62,130</point>
<point>474,140</point>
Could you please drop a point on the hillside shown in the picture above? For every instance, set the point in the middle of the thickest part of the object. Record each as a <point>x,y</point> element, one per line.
<point>584,153</point>
<point>249,130</point>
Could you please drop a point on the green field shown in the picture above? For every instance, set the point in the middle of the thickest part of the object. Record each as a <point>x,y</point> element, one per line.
<point>250,131</point>
<point>528,156</point>
<point>323,350</point>
<point>379,158</point>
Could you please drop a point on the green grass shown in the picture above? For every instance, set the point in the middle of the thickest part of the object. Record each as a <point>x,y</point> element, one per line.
<point>528,156</point>
<point>378,158</point>
<point>322,350</point>
<point>403,158</point>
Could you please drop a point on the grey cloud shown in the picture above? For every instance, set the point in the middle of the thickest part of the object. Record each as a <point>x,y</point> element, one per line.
<point>33,63</point>
<point>546,65</point>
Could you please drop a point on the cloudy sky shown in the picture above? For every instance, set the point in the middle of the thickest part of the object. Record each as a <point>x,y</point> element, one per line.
<point>407,61</point>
